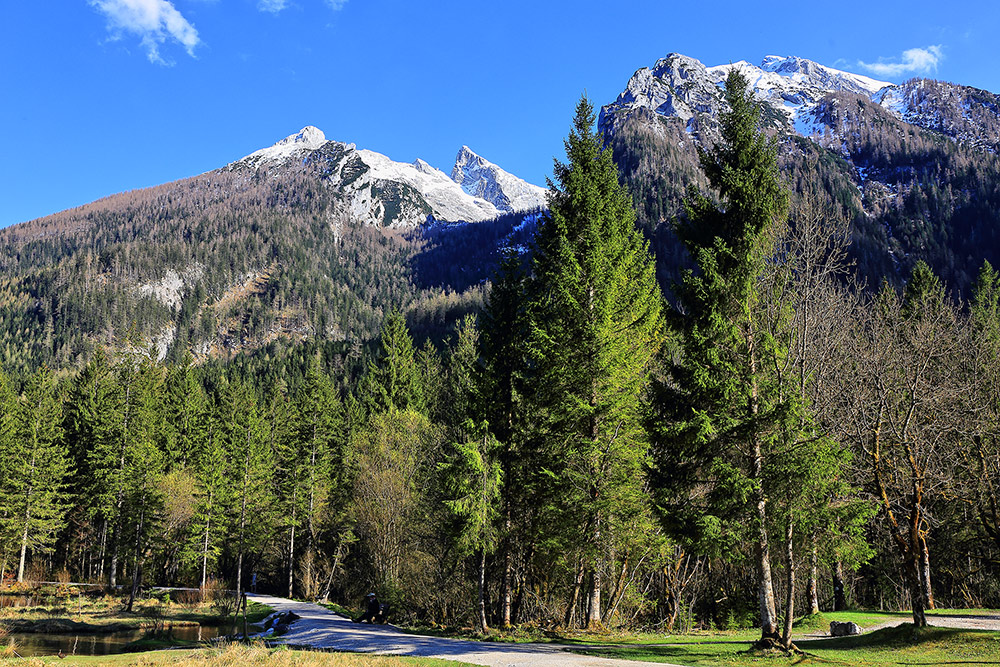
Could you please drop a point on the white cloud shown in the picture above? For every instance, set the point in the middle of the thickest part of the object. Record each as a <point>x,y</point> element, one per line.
<point>154,21</point>
<point>917,61</point>
<point>273,6</point>
<point>336,5</point>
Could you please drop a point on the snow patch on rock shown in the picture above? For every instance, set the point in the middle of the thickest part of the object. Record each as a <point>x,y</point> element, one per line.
<point>481,178</point>
<point>309,138</point>
<point>682,87</point>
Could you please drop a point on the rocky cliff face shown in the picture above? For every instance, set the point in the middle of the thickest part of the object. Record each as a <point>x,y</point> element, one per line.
<point>481,178</point>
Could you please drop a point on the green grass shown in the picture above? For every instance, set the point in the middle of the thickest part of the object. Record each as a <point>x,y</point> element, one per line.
<point>889,647</point>
<point>865,619</point>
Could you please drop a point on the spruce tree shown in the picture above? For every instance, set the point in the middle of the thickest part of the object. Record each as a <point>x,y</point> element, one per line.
<point>595,323</point>
<point>317,449</point>
<point>393,381</point>
<point>501,351</point>
<point>723,408</point>
<point>35,479</point>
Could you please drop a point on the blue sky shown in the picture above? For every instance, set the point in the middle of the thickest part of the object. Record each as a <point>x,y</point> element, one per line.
<point>101,96</point>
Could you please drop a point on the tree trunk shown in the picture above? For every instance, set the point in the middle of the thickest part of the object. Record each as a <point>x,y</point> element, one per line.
<point>915,584</point>
<point>839,599</point>
<point>577,584</point>
<point>104,545</point>
<point>291,556</point>
<point>594,603</point>
<point>786,631</point>
<point>812,590</point>
<point>765,585</point>
<point>137,567</point>
<point>204,549</point>
<point>481,606</point>
<point>925,575</point>
<point>508,566</point>
<point>619,589</point>
<point>120,499</point>
<point>243,519</point>
<point>24,549</point>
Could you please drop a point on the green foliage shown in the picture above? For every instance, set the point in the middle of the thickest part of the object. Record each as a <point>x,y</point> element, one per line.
<point>472,480</point>
<point>33,490</point>
<point>595,321</point>
<point>393,381</point>
<point>721,406</point>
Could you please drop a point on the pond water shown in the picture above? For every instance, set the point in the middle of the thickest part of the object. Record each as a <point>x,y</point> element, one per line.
<point>39,643</point>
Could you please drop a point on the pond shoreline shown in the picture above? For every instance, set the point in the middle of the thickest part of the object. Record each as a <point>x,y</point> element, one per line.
<point>69,626</point>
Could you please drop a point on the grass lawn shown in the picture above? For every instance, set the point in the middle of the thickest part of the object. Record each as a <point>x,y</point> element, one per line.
<point>882,648</point>
<point>238,655</point>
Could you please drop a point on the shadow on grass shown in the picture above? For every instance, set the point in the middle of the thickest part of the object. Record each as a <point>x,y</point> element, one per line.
<point>888,647</point>
<point>902,637</point>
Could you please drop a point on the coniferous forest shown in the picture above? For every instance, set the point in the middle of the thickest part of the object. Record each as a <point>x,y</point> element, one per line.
<point>578,450</point>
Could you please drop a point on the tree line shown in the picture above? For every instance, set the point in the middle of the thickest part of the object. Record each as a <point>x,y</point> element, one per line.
<point>580,453</point>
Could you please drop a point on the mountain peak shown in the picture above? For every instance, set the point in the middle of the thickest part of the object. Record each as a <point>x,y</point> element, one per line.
<point>309,138</point>
<point>682,87</point>
<point>481,178</point>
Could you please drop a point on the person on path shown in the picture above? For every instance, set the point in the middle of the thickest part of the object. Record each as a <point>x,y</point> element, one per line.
<point>371,609</point>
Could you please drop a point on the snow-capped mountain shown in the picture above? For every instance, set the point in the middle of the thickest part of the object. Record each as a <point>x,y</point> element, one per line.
<point>683,87</point>
<point>796,91</point>
<point>481,178</point>
<point>378,190</point>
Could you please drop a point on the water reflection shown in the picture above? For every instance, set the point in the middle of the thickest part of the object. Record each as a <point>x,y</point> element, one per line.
<point>30,644</point>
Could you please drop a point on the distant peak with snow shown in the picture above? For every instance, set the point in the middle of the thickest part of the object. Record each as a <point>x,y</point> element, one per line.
<point>682,87</point>
<point>481,178</point>
<point>378,190</point>
<point>309,138</point>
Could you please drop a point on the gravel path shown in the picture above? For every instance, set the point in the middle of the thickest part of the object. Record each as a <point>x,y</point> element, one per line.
<point>320,628</point>
<point>962,621</point>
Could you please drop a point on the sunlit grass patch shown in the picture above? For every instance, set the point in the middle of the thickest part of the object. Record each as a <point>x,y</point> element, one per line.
<point>882,648</point>
<point>237,655</point>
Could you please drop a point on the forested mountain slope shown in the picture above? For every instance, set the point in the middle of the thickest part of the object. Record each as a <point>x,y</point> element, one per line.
<point>316,239</point>
<point>308,239</point>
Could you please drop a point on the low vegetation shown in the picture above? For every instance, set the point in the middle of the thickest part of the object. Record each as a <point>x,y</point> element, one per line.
<point>235,655</point>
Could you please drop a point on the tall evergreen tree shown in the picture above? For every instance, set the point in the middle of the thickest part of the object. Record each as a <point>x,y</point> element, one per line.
<point>316,447</point>
<point>503,327</point>
<point>250,475</point>
<point>723,408</point>
<point>8,452</point>
<point>185,413</point>
<point>93,431</point>
<point>35,476</point>
<point>393,381</point>
<point>596,322</point>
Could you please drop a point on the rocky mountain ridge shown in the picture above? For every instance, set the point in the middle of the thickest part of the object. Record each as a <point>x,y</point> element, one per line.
<point>914,166</point>
<point>794,89</point>
<point>377,190</point>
